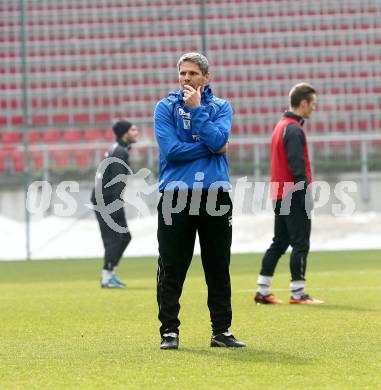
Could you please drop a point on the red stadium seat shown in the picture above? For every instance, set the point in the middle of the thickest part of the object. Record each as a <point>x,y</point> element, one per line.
<point>235,130</point>
<point>103,117</point>
<point>3,161</point>
<point>255,128</point>
<point>51,136</point>
<point>37,161</point>
<point>72,135</point>
<point>18,161</point>
<point>34,136</point>
<point>92,134</point>
<point>61,119</point>
<point>362,125</point>
<point>17,120</point>
<point>11,138</point>
<point>81,118</point>
<point>83,158</point>
<point>341,126</point>
<point>320,127</point>
<point>109,135</point>
<point>60,158</point>
<point>40,119</point>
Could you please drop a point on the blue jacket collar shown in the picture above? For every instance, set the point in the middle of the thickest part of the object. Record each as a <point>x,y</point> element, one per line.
<point>206,97</point>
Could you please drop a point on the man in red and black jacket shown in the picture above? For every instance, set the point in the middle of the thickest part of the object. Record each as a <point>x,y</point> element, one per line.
<point>290,192</point>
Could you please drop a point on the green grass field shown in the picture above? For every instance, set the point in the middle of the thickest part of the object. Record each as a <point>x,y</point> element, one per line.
<point>59,330</point>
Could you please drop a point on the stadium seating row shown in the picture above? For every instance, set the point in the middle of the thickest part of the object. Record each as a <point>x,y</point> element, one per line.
<point>68,66</point>
<point>93,47</point>
<point>217,26</point>
<point>81,159</point>
<point>56,135</point>
<point>249,124</point>
<point>252,100</point>
<point>263,8</point>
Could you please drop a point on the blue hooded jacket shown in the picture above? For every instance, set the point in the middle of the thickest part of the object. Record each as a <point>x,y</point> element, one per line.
<point>189,139</point>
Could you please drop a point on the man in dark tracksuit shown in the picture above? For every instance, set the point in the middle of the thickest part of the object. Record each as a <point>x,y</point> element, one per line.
<point>110,182</point>
<point>192,128</point>
<point>290,178</point>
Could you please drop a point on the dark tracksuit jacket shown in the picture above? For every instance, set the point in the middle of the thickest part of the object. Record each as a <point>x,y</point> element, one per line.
<point>114,242</point>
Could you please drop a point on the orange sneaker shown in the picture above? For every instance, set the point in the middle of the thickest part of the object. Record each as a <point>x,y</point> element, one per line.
<point>306,300</point>
<point>260,299</point>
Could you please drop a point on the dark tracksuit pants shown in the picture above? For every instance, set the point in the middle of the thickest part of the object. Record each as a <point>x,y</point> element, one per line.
<point>114,243</point>
<point>176,245</point>
<point>293,229</point>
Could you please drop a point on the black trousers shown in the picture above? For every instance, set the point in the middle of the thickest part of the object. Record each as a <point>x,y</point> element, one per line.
<point>293,229</point>
<point>176,245</point>
<point>114,243</point>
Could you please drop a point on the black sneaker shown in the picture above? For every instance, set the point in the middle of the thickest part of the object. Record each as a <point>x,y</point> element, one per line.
<point>169,341</point>
<point>226,340</point>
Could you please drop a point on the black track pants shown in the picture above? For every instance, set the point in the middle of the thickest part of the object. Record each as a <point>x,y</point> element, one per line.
<point>114,243</point>
<point>295,230</point>
<point>176,245</point>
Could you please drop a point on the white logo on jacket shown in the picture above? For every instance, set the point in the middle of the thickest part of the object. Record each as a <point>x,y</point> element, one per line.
<point>186,119</point>
<point>185,115</point>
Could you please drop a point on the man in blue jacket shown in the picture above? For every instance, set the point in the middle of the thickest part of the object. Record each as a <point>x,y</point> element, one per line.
<point>192,128</point>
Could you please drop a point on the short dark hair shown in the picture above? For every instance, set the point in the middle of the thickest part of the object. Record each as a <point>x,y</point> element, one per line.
<point>299,92</point>
<point>120,127</point>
